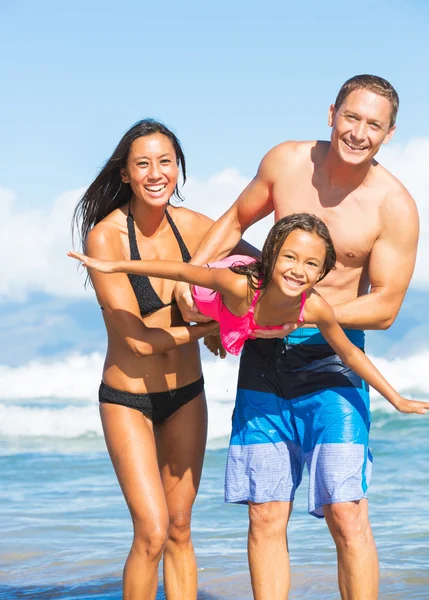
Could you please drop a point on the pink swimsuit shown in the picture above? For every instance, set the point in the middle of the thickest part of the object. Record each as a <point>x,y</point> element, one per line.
<point>234,331</point>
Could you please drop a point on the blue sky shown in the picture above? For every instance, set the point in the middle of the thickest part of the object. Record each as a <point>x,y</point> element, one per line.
<point>232,79</point>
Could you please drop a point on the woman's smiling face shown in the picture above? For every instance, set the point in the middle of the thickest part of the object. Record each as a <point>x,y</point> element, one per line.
<point>152,170</point>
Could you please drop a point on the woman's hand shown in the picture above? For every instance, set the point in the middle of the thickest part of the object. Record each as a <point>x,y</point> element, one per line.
<point>186,304</point>
<point>104,266</point>
<point>214,344</point>
<point>411,406</point>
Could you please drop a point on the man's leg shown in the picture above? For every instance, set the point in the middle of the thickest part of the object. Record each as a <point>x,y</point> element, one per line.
<point>358,572</point>
<point>268,550</point>
<point>332,416</point>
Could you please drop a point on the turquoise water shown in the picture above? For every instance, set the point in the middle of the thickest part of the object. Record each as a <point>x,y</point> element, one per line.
<point>65,531</point>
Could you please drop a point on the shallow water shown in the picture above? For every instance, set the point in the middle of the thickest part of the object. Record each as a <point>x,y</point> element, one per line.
<point>65,530</point>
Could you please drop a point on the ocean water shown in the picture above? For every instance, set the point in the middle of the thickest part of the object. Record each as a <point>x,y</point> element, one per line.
<point>65,531</point>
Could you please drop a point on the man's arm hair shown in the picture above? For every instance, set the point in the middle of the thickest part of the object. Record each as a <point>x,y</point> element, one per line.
<point>391,265</point>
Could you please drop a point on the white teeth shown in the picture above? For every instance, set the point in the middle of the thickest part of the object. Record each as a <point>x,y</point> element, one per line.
<point>293,282</point>
<point>156,189</point>
<point>355,147</point>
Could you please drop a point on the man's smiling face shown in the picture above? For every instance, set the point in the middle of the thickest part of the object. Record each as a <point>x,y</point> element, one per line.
<point>360,125</point>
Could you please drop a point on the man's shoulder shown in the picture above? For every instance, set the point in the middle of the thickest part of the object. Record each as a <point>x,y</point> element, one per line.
<point>289,153</point>
<point>293,148</point>
<point>395,195</point>
<point>398,212</point>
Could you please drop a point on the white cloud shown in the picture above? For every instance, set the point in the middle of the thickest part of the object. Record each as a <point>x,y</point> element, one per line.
<point>34,243</point>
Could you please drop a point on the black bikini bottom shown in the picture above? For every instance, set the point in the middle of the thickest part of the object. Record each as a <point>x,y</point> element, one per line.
<point>156,406</point>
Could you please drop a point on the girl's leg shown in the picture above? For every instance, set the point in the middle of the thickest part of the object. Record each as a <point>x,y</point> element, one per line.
<point>130,441</point>
<point>181,442</point>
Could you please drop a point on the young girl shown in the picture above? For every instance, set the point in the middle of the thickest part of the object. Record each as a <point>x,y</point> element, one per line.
<point>278,288</point>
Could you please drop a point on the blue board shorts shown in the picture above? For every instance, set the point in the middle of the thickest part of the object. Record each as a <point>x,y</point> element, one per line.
<point>298,404</point>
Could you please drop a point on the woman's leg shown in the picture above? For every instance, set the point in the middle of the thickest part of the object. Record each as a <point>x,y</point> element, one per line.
<point>181,441</point>
<point>130,441</point>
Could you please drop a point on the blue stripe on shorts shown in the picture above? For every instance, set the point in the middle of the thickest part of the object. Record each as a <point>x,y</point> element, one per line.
<point>298,404</point>
<point>312,335</point>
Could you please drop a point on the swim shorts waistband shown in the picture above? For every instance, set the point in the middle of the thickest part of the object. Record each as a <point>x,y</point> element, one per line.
<point>312,335</point>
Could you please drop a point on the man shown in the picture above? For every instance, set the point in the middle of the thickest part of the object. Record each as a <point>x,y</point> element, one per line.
<point>296,403</point>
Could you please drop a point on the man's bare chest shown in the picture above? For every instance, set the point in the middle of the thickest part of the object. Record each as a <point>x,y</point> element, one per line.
<point>352,222</point>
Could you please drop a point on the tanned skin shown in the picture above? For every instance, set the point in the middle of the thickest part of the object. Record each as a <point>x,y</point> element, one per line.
<point>374,225</point>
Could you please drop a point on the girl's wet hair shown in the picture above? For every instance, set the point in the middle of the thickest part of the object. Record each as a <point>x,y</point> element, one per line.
<point>260,272</point>
<point>108,192</point>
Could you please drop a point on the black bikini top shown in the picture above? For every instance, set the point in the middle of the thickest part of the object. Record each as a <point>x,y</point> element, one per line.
<point>147,298</point>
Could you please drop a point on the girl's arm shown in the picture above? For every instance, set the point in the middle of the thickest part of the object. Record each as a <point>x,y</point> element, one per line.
<point>218,279</point>
<point>357,360</point>
<point>117,297</point>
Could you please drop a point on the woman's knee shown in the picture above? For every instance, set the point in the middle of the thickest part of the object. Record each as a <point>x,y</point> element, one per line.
<point>179,530</point>
<point>150,536</point>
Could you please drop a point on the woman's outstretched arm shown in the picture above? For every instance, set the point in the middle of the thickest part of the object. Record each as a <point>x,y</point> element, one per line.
<point>220,280</point>
<point>357,360</point>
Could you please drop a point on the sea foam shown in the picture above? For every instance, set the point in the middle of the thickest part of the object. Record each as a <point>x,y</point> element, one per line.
<point>58,398</point>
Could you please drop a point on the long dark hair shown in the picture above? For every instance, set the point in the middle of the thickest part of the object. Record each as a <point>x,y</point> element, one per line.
<point>260,272</point>
<point>108,192</point>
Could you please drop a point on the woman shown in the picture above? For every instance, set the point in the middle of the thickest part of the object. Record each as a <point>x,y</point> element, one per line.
<point>152,402</point>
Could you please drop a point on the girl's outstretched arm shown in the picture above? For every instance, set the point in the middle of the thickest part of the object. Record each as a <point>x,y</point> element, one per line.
<point>218,279</point>
<point>116,296</point>
<point>357,360</point>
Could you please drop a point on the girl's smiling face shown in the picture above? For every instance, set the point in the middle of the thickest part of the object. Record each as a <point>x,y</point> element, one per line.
<point>300,263</point>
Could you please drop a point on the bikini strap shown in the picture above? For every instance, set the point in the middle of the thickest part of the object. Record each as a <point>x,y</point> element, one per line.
<point>134,249</point>
<point>301,310</point>
<point>186,257</point>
